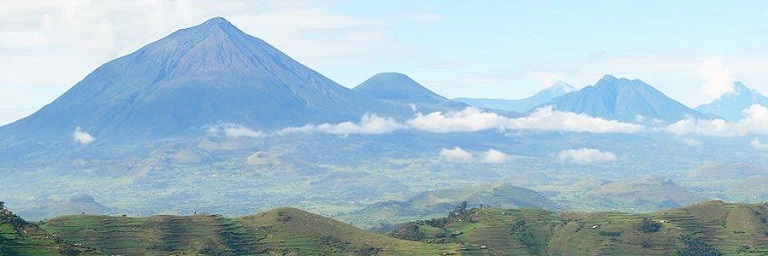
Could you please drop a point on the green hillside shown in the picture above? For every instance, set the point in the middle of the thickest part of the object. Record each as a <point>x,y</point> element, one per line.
<point>712,228</point>
<point>280,231</point>
<point>19,237</point>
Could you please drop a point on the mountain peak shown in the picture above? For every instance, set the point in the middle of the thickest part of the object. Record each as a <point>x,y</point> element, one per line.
<point>394,86</point>
<point>623,100</point>
<point>739,88</point>
<point>399,87</point>
<point>561,88</point>
<point>194,78</point>
<point>217,21</point>
<point>607,79</point>
<point>730,105</point>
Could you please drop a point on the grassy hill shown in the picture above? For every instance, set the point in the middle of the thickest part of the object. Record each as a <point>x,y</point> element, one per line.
<point>19,237</point>
<point>711,228</point>
<point>281,231</point>
<point>436,203</point>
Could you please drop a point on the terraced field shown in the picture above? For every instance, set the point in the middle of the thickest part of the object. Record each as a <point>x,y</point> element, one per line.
<point>281,231</point>
<point>711,228</point>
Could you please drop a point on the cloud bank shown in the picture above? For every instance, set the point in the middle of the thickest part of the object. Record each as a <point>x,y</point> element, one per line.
<point>543,119</point>
<point>82,137</point>
<point>585,156</point>
<point>754,121</point>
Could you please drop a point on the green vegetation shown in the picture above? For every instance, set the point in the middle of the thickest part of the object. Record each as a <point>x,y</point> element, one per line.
<point>711,228</point>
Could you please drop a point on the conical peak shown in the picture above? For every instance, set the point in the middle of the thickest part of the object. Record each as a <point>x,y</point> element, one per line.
<point>217,21</point>
<point>393,76</point>
<point>215,25</point>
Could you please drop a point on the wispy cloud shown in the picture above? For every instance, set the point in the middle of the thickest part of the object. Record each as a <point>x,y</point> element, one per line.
<point>585,156</point>
<point>754,121</point>
<point>234,131</point>
<point>82,137</point>
<point>757,144</point>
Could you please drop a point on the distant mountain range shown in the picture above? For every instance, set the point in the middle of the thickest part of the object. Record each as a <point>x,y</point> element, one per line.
<point>730,105</point>
<point>214,74</point>
<point>623,100</point>
<point>522,105</point>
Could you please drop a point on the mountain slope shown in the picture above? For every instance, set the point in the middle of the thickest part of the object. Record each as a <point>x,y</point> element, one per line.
<point>522,105</point>
<point>196,77</point>
<point>730,105</point>
<point>624,100</point>
<point>399,88</point>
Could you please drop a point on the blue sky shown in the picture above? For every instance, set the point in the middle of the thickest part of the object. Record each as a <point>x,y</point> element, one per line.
<point>690,50</point>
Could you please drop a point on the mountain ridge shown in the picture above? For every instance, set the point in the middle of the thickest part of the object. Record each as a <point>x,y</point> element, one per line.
<point>522,105</point>
<point>623,100</point>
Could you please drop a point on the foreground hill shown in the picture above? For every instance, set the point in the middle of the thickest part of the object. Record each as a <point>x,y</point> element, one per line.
<point>711,228</point>
<point>280,231</point>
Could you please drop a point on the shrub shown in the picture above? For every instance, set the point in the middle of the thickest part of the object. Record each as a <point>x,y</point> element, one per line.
<point>649,226</point>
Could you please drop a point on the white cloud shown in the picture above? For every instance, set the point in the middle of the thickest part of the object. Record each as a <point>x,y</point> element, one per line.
<point>718,77</point>
<point>369,124</point>
<point>543,119</point>
<point>493,156</point>
<point>757,144</point>
<point>455,155</point>
<point>234,131</point>
<point>585,156</point>
<point>754,121</point>
<point>547,119</point>
<point>468,120</point>
<point>82,137</point>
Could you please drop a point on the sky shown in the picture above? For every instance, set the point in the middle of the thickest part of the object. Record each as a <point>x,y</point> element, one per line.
<point>690,50</point>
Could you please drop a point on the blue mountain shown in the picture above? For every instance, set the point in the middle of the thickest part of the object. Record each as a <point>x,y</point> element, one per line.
<point>521,105</point>
<point>730,105</point>
<point>196,77</point>
<point>623,100</point>
<point>400,89</point>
